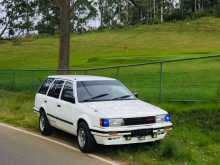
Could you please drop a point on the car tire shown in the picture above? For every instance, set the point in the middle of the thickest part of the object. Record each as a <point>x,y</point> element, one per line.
<point>85,139</point>
<point>44,125</point>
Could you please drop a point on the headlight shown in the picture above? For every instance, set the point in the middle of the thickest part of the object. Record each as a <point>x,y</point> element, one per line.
<point>111,122</point>
<point>163,118</point>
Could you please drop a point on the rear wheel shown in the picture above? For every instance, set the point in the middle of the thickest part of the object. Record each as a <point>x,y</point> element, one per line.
<point>86,141</point>
<point>44,125</point>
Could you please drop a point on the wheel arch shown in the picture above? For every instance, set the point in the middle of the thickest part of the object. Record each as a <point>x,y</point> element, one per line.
<point>42,110</point>
<point>83,119</point>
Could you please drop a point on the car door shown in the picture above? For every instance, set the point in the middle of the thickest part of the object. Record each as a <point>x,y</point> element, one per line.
<point>53,103</point>
<point>40,98</point>
<point>69,109</point>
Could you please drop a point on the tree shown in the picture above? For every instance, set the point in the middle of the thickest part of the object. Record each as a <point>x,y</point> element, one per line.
<point>101,12</point>
<point>16,17</point>
<point>74,10</point>
<point>64,29</point>
<point>29,7</point>
<point>4,23</point>
<point>49,13</point>
<point>83,11</point>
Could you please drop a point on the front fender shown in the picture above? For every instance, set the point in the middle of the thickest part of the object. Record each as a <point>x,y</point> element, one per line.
<point>86,119</point>
<point>43,107</point>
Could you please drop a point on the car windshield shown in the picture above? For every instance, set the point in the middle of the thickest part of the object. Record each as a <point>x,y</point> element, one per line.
<point>102,90</point>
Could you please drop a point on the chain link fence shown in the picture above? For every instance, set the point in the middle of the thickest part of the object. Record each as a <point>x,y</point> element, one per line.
<point>188,79</point>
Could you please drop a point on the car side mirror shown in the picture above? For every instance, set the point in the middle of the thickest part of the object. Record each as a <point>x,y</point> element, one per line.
<point>136,94</point>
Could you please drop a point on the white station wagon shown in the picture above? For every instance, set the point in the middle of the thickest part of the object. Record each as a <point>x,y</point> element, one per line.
<point>98,110</point>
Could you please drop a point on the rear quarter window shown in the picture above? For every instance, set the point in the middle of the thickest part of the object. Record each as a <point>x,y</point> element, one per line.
<point>45,86</point>
<point>56,88</point>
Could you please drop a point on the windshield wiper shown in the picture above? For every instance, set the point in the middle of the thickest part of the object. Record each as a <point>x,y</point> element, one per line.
<point>96,97</point>
<point>122,97</point>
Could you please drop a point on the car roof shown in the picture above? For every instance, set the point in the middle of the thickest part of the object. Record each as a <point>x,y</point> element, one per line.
<point>80,77</point>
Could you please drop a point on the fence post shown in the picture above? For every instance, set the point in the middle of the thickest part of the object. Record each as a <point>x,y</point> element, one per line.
<point>117,72</point>
<point>13,79</point>
<point>161,82</point>
<point>32,79</point>
<point>85,72</point>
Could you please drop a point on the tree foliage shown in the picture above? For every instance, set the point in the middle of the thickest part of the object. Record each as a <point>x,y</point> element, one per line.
<point>23,16</point>
<point>17,17</point>
<point>49,14</point>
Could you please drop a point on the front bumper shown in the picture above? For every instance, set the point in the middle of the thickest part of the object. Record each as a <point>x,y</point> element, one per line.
<point>131,136</point>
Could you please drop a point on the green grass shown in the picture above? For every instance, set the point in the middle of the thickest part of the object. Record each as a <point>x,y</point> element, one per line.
<point>141,43</point>
<point>194,139</point>
<point>16,109</point>
<point>119,46</point>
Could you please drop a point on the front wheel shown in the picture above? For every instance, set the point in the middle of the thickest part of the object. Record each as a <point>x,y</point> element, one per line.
<point>86,141</point>
<point>44,125</point>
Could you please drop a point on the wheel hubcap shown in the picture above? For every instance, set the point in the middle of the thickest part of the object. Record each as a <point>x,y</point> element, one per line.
<point>81,137</point>
<point>42,123</point>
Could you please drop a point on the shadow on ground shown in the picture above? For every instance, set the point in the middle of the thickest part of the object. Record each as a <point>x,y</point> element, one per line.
<point>100,150</point>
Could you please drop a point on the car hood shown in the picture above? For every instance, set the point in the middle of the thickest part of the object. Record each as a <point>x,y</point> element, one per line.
<point>125,109</point>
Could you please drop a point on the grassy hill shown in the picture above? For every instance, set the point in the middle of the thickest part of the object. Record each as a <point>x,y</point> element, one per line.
<point>119,46</point>
<point>130,45</point>
<point>195,138</point>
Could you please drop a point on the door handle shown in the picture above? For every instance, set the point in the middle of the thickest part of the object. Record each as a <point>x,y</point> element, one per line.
<point>58,105</point>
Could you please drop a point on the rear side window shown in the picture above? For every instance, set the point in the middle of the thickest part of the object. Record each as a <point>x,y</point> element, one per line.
<point>67,94</point>
<point>56,88</point>
<point>45,86</point>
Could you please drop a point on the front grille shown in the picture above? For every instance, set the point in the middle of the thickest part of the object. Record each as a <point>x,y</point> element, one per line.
<point>140,120</point>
